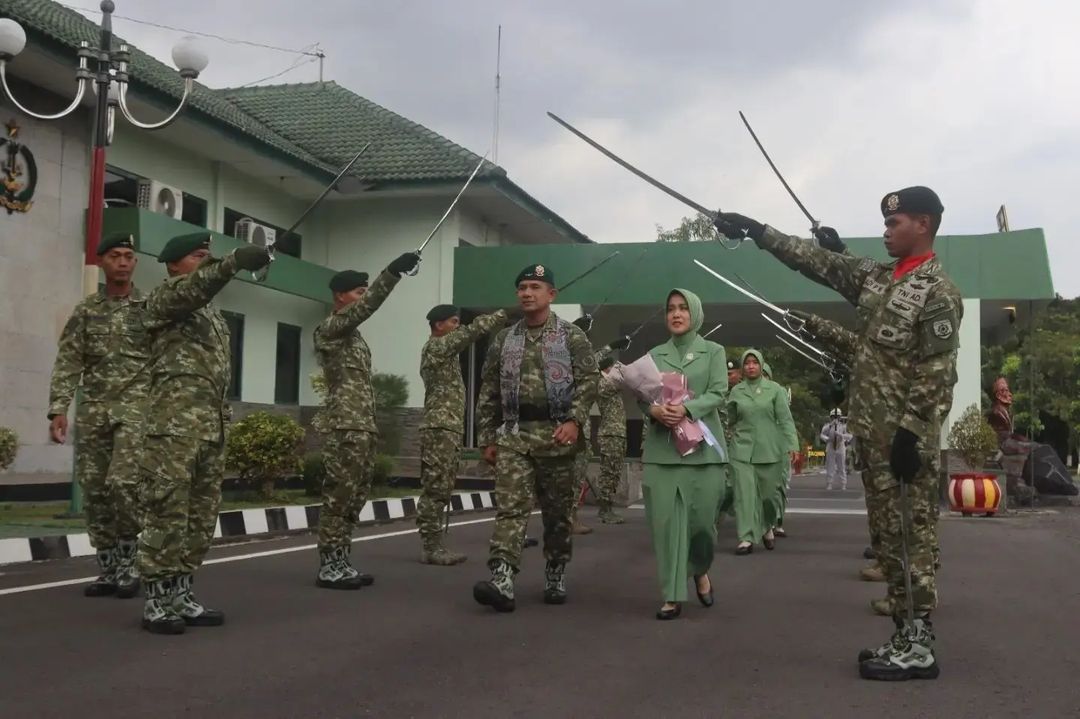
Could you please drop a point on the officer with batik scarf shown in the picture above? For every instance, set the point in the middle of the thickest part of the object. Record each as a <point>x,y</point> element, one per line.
<point>539,381</point>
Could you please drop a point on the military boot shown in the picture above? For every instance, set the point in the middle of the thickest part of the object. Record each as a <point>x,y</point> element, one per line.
<point>555,583</point>
<point>127,576</point>
<point>159,617</point>
<point>335,571</point>
<point>190,610</point>
<point>883,607</point>
<point>497,592</point>
<point>872,573</point>
<point>865,654</point>
<point>911,655</point>
<point>608,515</point>
<point>435,553</point>
<point>105,584</point>
<point>578,527</point>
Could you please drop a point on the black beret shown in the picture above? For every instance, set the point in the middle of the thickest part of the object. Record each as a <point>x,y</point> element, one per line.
<point>536,272</point>
<point>348,280</point>
<point>912,201</point>
<point>125,242</point>
<point>732,364</point>
<point>606,362</point>
<point>183,245</point>
<point>442,312</point>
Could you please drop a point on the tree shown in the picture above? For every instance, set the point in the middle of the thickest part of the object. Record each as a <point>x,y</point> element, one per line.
<point>690,229</point>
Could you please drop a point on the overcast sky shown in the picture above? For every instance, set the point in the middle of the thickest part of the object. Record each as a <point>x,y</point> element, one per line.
<point>980,100</point>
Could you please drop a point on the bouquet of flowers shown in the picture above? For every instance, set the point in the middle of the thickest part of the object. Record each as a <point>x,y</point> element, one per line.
<point>649,384</point>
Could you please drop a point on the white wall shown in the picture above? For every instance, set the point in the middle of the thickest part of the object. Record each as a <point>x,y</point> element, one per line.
<point>41,259</point>
<point>968,390</point>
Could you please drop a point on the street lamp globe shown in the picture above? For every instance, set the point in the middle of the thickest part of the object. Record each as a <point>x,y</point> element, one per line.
<point>12,38</point>
<point>189,57</point>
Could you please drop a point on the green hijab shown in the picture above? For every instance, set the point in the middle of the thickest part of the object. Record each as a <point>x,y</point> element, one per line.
<point>697,316</point>
<point>756,354</point>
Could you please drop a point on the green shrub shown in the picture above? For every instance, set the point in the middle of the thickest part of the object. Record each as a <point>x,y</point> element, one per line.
<point>973,438</point>
<point>391,394</point>
<point>264,447</point>
<point>314,472</point>
<point>384,469</point>
<point>9,446</point>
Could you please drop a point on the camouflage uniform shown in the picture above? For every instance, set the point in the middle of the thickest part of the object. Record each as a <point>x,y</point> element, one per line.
<point>528,460</point>
<point>903,375</point>
<point>443,422</point>
<point>612,439</point>
<point>349,418</point>
<point>105,348</point>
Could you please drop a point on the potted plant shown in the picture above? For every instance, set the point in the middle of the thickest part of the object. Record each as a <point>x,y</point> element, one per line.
<point>976,491</point>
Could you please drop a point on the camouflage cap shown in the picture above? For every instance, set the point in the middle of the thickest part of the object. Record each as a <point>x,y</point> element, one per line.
<point>348,280</point>
<point>181,246</point>
<point>539,273</point>
<point>916,200</point>
<point>439,313</point>
<point>125,242</point>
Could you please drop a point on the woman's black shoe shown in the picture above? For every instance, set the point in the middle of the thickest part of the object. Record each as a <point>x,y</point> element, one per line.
<point>673,613</point>
<point>740,551</point>
<point>706,599</point>
<point>770,544</point>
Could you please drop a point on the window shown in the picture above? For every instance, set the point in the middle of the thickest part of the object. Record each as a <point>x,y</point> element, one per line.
<point>194,210</point>
<point>290,245</point>
<point>236,352</point>
<point>287,373</point>
<point>122,190</point>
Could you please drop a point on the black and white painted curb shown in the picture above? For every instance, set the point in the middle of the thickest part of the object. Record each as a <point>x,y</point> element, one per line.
<point>243,523</point>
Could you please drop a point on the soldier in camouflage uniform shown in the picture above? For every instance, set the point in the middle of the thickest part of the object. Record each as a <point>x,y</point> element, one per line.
<point>182,462</point>
<point>349,416</point>
<point>444,420</point>
<point>612,437</point>
<point>539,382</point>
<point>909,314</point>
<point>104,349</point>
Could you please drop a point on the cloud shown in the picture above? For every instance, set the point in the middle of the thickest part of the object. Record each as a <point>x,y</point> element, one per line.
<point>976,99</point>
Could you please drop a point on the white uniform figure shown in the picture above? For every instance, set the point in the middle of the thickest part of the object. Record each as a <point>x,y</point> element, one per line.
<point>836,437</point>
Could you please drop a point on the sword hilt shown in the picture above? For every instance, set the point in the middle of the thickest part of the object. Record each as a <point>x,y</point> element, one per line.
<point>260,274</point>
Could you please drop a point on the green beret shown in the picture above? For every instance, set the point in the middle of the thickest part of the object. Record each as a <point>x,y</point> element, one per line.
<point>348,280</point>
<point>439,313</point>
<point>536,272</point>
<point>183,245</point>
<point>124,242</point>
<point>912,201</point>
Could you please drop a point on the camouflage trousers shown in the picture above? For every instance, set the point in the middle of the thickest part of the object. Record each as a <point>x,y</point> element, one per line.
<point>107,467</point>
<point>554,483</point>
<point>440,455</point>
<point>181,494</point>
<point>349,456</point>
<point>883,512</point>
<point>612,461</point>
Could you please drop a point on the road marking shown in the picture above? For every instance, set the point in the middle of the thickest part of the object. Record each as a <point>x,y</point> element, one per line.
<point>801,510</point>
<point>241,557</point>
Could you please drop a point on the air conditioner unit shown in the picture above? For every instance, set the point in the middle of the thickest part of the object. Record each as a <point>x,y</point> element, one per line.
<point>250,231</point>
<point>159,197</point>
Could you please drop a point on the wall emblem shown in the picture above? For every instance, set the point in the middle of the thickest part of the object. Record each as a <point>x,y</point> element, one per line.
<point>18,172</point>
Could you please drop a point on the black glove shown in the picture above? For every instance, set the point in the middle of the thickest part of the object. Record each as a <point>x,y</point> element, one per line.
<point>620,344</point>
<point>829,238</point>
<point>738,227</point>
<point>406,263</point>
<point>904,457</point>
<point>252,257</point>
<point>584,323</point>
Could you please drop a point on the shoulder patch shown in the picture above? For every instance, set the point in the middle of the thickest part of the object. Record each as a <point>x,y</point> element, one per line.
<point>943,329</point>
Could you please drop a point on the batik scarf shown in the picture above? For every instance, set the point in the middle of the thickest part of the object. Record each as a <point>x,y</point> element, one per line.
<point>558,372</point>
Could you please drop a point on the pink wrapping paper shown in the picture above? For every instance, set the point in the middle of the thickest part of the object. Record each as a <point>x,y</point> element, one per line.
<point>687,435</point>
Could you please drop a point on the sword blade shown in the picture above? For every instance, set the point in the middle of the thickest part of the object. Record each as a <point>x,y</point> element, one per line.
<point>737,288</point>
<point>450,209</point>
<point>626,276</point>
<point>815,360</point>
<point>772,164</point>
<point>706,335</point>
<point>626,165</point>
<point>326,192</point>
<point>646,321</point>
<point>794,336</point>
<point>592,269</point>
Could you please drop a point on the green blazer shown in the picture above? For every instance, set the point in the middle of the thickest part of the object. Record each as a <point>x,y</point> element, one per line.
<point>705,367</point>
<point>762,428</point>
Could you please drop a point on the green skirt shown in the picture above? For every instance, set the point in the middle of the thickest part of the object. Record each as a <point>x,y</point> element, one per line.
<point>760,499</point>
<point>681,503</point>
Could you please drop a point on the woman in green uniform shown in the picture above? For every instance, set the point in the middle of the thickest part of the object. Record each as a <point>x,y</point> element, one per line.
<point>778,530</point>
<point>763,442</point>
<point>682,493</point>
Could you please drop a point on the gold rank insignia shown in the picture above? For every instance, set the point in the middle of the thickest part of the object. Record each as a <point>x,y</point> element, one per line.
<point>539,271</point>
<point>893,202</point>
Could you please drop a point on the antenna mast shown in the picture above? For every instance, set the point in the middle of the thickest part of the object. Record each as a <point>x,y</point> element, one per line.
<point>498,82</point>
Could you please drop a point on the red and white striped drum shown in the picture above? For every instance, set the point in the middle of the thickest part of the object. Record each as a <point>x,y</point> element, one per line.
<point>974,494</point>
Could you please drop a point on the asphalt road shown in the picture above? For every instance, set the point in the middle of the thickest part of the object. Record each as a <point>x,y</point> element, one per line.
<point>780,642</point>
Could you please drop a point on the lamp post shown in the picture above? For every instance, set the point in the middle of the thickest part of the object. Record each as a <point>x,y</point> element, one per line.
<point>109,81</point>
